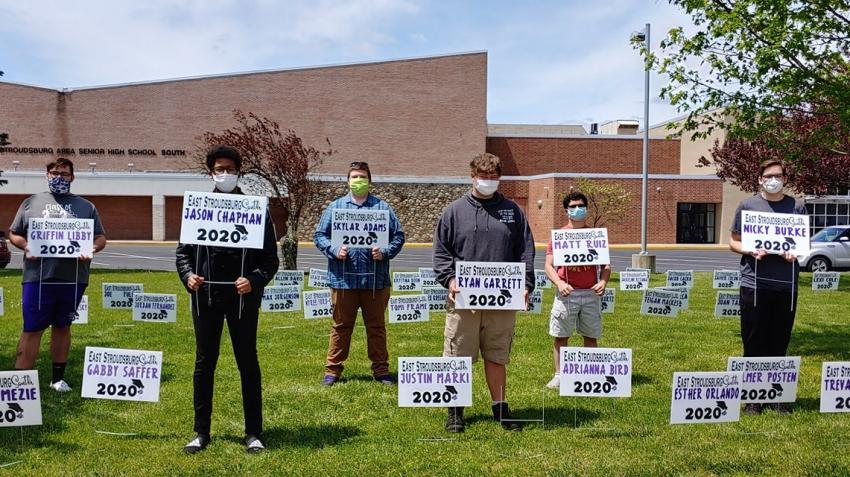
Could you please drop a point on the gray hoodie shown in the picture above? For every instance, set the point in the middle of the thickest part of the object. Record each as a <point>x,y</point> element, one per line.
<point>492,230</point>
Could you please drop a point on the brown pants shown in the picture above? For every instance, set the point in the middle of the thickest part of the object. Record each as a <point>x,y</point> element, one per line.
<point>374,305</point>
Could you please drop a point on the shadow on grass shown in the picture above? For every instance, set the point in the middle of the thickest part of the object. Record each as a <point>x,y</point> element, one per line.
<point>367,378</point>
<point>821,339</point>
<point>641,380</point>
<point>314,437</point>
<point>555,416</point>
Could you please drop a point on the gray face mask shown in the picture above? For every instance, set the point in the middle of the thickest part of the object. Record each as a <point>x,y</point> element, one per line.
<point>225,182</point>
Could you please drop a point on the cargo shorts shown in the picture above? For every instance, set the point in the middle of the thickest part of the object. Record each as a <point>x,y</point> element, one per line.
<point>580,311</point>
<point>469,331</point>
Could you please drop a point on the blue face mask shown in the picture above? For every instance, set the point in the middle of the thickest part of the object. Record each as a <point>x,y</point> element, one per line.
<point>577,213</point>
<point>59,185</point>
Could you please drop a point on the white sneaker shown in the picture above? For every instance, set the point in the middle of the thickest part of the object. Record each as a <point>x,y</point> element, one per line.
<point>60,386</point>
<point>555,383</point>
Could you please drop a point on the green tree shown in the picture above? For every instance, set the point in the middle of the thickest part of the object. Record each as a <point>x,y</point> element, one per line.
<point>749,64</point>
<point>606,201</point>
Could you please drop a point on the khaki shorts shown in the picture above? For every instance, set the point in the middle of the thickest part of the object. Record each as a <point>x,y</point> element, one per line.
<point>468,331</point>
<point>580,311</point>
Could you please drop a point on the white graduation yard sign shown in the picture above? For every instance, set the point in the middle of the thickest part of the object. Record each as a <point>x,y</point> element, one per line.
<point>82,311</point>
<point>680,278</point>
<point>571,247</point>
<point>634,280</point>
<point>767,379</point>
<point>535,302</point>
<point>490,285</point>
<point>775,233</point>
<point>684,295</point>
<point>727,305</point>
<point>317,304</point>
<point>289,278</point>
<point>661,303</point>
<point>408,308</point>
<point>825,281</point>
<point>281,299</point>
<point>705,397</point>
<point>541,280</point>
<point>120,295</point>
<point>122,374</point>
<point>318,278</point>
<point>428,277</point>
<point>223,220</point>
<point>608,301</point>
<point>155,307</point>
<point>20,398</point>
<point>726,279</point>
<point>835,386</point>
<point>437,298</point>
<point>596,372</point>
<point>407,281</point>
<point>60,238</point>
<point>354,228</point>
<point>435,382</point>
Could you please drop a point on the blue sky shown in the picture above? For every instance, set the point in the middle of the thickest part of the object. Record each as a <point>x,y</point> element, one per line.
<point>550,62</point>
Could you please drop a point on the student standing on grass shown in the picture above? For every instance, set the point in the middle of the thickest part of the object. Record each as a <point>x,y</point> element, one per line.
<point>359,279</point>
<point>578,300</point>
<point>52,287</point>
<point>482,226</point>
<point>768,281</point>
<point>226,284</point>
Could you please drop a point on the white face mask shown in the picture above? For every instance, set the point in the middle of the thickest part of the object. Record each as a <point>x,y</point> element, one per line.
<point>772,185</point>
<point>225,182</point>
<point>486,187</point>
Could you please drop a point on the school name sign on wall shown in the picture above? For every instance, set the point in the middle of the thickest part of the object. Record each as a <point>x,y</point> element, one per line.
<point>223,220</point>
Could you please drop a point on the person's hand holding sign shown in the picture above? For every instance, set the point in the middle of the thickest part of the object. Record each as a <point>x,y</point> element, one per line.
<point>85,257</point>
<point>789,257</point>
<point>377,255</point>
<point>194,282</point>
<point>453,289</point>
<point>243,286</point>
<point>759,254</point>
<point>343,253</point>
<point>27,254</point>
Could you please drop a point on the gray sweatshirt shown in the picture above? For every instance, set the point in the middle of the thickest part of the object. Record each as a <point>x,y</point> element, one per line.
<point>492,230</point>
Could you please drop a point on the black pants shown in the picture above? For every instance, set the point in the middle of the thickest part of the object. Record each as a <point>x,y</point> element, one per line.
<point>243,337</point>
<point>766,321</point>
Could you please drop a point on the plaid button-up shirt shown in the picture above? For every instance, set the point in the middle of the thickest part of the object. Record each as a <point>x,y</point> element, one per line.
<point>358,270</point>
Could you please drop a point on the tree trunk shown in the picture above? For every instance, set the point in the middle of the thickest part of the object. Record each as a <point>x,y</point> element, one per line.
<point>289,244</point>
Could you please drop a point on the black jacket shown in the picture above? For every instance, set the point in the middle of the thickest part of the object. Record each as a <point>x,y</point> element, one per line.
<point>226,264</point>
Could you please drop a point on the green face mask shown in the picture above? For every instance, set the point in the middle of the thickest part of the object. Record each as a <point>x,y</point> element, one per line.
<point>359,185</point>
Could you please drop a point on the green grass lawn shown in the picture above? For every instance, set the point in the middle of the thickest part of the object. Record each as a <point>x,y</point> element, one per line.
<point>356,428</point>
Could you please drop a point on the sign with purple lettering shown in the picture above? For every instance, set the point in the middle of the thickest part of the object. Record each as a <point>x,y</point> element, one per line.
<point>435,382</point>
<point>490,285</point>
<point>706,397</point>
<point>596,372</point>
<point>408,308</point>
<point>20,399</point>
<point>60,238</point>
<point>767,380</point>
<point>580,247</point>
<point>122,374</point>
<point>223,220</point>
<point>82,311</point>
<point>354,228</point>
<point>774,233</point>
<point>835,386</point>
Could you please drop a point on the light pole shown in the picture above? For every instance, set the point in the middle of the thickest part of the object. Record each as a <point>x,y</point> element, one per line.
<point>644,259</point>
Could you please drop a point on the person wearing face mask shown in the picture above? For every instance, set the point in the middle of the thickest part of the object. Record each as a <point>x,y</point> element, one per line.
<point>577,304</point>
<point>482,226</point>
<point>768,281</point>
<point>359,279</point>
<point>55,305</point>
<point>226,285</point>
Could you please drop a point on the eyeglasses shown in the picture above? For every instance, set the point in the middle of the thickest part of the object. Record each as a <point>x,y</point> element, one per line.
<point>64,175</point>
<point>225,170</point>
<point>359,165</point>
<point>774,176</point>
<point>576,206</point>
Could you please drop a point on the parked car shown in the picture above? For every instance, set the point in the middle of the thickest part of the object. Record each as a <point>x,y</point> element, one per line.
<point>830,250</point>
<point>5,254</point>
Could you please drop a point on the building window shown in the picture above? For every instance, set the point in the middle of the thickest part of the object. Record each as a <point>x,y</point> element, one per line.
<point>695,223</point>
<point>826,211</point>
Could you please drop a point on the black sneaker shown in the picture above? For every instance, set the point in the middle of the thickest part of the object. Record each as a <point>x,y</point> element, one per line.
<point>502,413</point>
<point>199,443</point>
<point>454,423</point>
<point>253,445</point>
<point>752,409</point>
